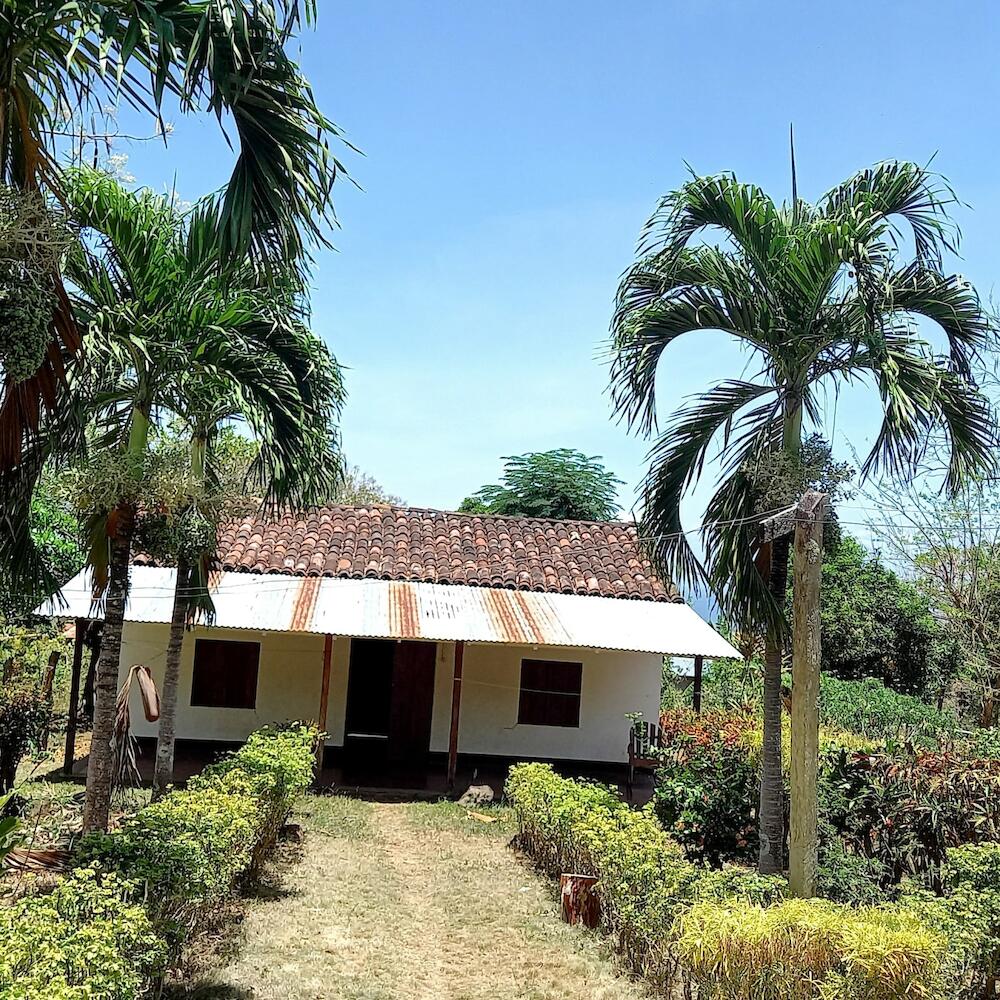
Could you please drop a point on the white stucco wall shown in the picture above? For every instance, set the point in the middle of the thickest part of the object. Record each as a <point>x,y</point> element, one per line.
<point>290,677</point>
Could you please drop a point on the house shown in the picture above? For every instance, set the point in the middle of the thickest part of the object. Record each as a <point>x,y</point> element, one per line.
<point>406,633</point>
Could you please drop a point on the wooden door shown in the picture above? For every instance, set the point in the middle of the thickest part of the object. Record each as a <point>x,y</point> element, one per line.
<point>412,700</point>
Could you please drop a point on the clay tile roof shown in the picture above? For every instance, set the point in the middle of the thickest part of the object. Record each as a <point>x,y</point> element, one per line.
<point>404,543</point>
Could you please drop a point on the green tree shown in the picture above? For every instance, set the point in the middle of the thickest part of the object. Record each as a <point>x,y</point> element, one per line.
<point>223,57</point>
<point>818,295</point>
<point>359,489</point>
<point>877,625</point>
<point>562,483</point>
<point>160,319</point>
<point>221,469</point>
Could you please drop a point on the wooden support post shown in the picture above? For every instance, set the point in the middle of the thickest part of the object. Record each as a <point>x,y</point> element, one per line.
<point>456,708</point>
<point>48,682</point>
<point>807,566</point>
<point>74,697</point>
<point>699,665</point>
<point>324,698</point>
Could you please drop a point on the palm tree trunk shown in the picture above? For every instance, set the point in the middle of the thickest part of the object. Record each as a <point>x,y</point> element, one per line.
<point>771,810</point>
<point>163,772</point>
<point>101,765</point>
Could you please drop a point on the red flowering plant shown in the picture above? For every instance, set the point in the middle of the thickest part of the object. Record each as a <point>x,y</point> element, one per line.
<point>706,789</point>
<point>907,809</point>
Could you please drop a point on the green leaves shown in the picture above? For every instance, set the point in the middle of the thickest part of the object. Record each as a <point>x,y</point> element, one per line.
<point>819,297</point>
<point>562,483</point>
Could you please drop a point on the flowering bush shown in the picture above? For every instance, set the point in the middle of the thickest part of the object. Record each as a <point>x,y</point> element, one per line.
<point>705,794</point>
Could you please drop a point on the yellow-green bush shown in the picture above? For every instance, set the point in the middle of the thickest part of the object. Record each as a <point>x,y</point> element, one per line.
<point>810,950</point>
<point>85,940</point>
<point>189,848</point>
<point>729,931</point>
<point>643,879</point>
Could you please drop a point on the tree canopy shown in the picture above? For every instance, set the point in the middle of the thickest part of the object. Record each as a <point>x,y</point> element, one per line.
<point>562,483</point>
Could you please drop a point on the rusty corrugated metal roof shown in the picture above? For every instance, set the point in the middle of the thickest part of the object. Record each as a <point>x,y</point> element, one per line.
<point>395,609</point>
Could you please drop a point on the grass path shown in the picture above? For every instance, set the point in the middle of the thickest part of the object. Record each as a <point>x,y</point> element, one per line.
<point>409,902</point>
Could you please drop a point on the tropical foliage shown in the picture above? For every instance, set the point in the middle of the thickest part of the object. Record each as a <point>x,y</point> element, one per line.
<point>169,336</point>
<point>225,58</point>
<point>562,483</point>
<point>818,295</point>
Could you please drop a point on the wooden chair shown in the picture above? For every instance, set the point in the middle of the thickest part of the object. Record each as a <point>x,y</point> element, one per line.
<point>644,739</point>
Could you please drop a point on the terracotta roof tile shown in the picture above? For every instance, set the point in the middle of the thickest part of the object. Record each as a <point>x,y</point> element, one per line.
<point>405,543</point>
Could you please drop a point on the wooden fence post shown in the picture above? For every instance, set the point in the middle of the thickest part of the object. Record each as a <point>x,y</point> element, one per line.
<point>807,567</point>
<point>74,697</point>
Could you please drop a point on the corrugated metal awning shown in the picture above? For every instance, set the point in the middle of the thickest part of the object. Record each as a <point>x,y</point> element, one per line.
<point>392,609</point>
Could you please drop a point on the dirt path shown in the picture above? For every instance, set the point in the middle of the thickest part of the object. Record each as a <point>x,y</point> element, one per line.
<point>410,902</point>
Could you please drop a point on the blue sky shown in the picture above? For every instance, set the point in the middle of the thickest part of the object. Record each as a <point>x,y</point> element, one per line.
<point>512,153</point>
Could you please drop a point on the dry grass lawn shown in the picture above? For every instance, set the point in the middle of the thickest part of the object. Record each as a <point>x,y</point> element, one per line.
<point>409,902</point>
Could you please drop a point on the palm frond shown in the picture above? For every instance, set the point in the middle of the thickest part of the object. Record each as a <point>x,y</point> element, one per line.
<point>899,189</point>
<point>677,460</point>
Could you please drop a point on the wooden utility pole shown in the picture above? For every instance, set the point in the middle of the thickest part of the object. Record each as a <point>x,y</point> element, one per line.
<point>805,520</point>
<point>807,571</point>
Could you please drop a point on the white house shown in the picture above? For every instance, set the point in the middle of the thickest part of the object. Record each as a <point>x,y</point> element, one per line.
<point>407,633</point>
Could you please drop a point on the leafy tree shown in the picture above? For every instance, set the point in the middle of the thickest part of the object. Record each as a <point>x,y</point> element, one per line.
<point>877,625</point>
<point>359,489</point>
<point>226,57</point>
<point>161,323</point>
<point>220,469</point>
<point>562,483</point>
<point>950,546</point>
<point>818,295</point>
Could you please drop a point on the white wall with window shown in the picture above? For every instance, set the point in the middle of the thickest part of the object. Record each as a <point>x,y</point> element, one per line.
<point>517,701</point>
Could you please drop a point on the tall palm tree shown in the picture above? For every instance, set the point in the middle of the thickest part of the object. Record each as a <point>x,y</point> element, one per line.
<point>62,58</point>
<point>819,295</point>
<point>207,404</point>
<point>158,315</point>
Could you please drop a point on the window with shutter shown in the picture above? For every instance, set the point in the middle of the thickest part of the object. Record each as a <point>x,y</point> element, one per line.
<point>550,693</point>
<point>225,674</point>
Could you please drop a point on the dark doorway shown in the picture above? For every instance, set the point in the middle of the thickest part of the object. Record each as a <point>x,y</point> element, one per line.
<point>390,698</point>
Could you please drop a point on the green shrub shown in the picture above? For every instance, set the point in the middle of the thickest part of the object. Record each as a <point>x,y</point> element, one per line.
<point>24,710</point>
<point>273,767</point>
<point>643,878</point>
<point>706,789</point>
<point>189,848</point>
<point>805,949</point>
<point>870,709</point>
<point>83,941</point>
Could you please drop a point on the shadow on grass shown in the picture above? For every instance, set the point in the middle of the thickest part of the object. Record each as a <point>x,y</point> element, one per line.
<point>207,991</point>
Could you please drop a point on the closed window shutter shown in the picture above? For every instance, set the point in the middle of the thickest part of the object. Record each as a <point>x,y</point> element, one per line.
<point>550,693</point>
<point>225,674</point>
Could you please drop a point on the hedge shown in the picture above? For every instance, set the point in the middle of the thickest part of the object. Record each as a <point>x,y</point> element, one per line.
<point>85,940</point>
<point>644,881</point>
<point>189,848</point>
<point>730,932</point>
<point>108,930</point>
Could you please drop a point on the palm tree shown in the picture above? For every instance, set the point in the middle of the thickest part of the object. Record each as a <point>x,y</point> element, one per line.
<point>819,295</point>
<point>209,404</point>
<point>62,59</point>
<point>158,316</point>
